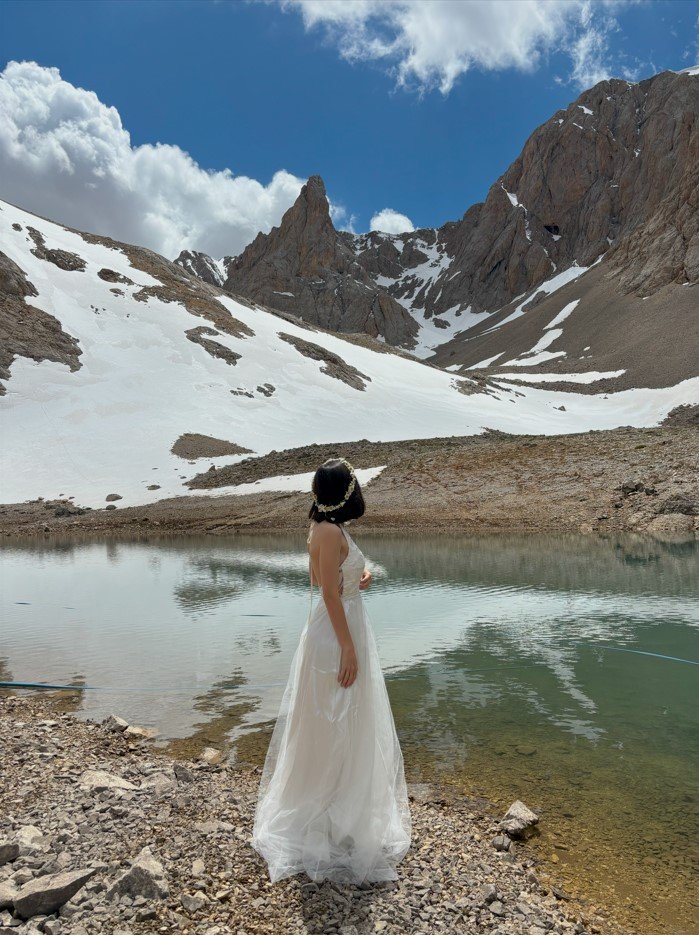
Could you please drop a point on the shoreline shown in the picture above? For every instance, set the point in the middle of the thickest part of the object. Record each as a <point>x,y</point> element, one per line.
<point>82,796</point>
<point>622,480</point>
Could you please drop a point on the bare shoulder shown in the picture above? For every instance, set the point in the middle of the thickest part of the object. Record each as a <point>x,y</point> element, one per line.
<point>326,533</point>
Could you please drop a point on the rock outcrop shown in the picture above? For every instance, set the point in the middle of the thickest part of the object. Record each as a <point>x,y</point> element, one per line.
<point>26,331</point>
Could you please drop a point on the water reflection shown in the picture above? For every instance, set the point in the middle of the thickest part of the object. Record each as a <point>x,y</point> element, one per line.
<point>506,662</point>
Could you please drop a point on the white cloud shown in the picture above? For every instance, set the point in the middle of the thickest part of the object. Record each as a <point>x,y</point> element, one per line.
<point>430,43</point>
<point>391,222</point>
<point>341,218</point>
<point>65,155</point>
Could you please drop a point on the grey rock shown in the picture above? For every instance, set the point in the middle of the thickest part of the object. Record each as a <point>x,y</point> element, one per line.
<point>115,724</point>
<point>46,894</point>
<point>182,774</point>
<point>29,836</point>
<point>192,903</point>
<point>8,891</point>
<point>145,877</point>
<point>98,780</point>
<point>518,819</point>
<point>140,733</point>
<point>9,851</point>
<point>159,784</point>
<point>487,894</point>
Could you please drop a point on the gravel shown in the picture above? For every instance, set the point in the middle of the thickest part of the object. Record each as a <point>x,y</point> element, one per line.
<point>103,833</point>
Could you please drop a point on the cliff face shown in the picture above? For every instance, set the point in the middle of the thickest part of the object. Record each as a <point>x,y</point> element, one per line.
<point>613,180</point>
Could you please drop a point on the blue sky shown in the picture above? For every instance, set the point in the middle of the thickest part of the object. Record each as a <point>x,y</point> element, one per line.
<point>256,88</point>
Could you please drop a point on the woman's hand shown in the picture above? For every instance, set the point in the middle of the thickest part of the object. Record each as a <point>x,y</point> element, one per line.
<point>365,580</point>
<point>348,666</point>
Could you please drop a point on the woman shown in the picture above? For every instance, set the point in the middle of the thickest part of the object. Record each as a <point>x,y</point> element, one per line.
<point>332,799</point>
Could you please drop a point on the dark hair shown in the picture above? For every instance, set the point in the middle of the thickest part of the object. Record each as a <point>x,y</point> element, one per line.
<point>330,484</point>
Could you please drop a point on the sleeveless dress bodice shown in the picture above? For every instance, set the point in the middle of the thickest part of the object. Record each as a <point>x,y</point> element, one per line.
<point>351,569</point>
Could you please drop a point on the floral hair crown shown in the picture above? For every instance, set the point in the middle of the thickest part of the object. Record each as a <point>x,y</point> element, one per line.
<point>325,508</point>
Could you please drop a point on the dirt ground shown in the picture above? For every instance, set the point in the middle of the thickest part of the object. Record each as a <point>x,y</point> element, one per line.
<point>644,480</point>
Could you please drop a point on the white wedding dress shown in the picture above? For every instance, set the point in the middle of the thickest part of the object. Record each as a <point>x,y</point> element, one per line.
<point>332,800</point>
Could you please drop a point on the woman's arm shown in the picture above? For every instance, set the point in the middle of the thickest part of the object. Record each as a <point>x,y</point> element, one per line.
<point>329,557</point>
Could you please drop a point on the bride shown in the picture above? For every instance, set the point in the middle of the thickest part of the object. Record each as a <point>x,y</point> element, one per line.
<point>332,800</point>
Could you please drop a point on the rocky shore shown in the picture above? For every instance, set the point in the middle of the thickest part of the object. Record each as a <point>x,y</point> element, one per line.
<point>625,480</point>
<point>102,833</point>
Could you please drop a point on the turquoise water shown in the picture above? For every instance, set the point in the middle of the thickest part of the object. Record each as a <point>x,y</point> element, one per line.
<point>513,665</point>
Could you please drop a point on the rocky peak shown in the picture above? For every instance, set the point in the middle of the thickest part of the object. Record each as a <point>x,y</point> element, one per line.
<point>306,267</point>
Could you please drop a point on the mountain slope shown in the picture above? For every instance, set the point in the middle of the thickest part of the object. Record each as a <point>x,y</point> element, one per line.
<point>135,353</point>
<point>612,179</point>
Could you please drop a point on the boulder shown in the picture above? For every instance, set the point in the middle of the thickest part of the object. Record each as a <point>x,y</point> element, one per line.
<point>145,877</point>
<point>46,894</point>
<point>518,820</point>
<point>115,724</point>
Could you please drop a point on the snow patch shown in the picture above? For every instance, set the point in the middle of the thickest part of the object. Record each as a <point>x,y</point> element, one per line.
<point>292,483</point>
<point>563,314</point>
<point>485,363</point>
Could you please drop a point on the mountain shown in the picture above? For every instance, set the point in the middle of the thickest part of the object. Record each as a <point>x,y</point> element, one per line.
<point>124,376</point>
<point>601,208</point>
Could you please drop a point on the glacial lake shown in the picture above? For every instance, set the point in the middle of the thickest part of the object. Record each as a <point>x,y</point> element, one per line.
<point>559,670</point>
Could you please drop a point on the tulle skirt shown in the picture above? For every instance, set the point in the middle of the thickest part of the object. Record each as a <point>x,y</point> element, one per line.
<point>332,800</point>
